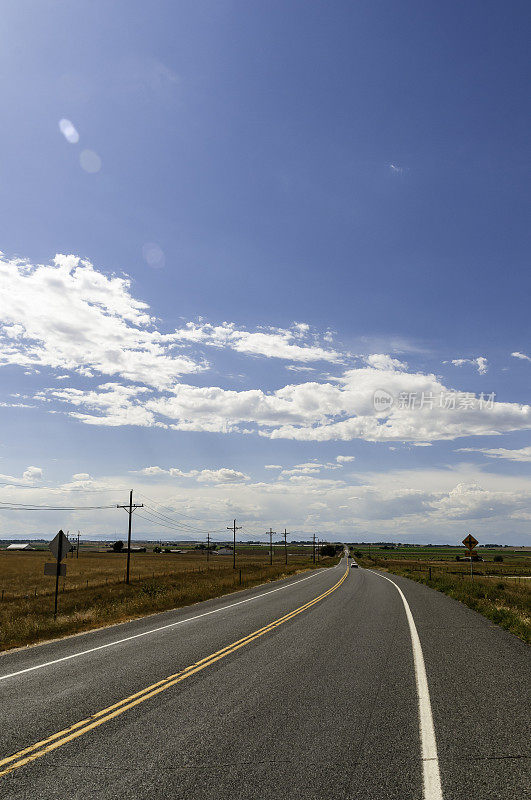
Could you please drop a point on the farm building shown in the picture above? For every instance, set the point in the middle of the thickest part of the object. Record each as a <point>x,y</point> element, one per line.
<point>19,546</point>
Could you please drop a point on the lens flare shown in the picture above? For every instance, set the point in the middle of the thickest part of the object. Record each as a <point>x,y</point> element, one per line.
<point>68,131</point>
<point>90,161</point>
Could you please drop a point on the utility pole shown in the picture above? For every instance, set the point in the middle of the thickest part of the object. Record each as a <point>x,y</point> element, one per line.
<point>77,551</point>
<point>233,528</point>
<point>129,508</point>
<point>286,545</point>
<point>271,532</point>
<point>313,547</point>
<point>208,547</point>
<point>317,548</point>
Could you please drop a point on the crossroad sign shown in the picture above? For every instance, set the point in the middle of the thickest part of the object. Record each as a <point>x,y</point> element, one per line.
<point>50,568</point>
<point>60,541</point>
<point>470,542</point>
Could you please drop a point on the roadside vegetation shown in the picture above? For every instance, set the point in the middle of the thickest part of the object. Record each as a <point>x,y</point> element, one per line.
<point>497,589</point>
<point>94,592</point>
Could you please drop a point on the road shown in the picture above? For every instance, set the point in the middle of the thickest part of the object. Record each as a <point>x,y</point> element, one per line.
<point>322,704</point>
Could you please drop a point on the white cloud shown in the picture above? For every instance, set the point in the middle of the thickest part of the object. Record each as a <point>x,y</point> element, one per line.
<point>294,344</point>
<point>480,363</point>
<point>396,169</point>
<point>344,459</point>
<point>400,505</point>
<point>30,476</point>
<point>308,411</point>
<point>70,316</point>
<point>223,475</point>
<point>521,356</point>
<point>113,404</point>
<point>384,362</point>
<point>523,454</point>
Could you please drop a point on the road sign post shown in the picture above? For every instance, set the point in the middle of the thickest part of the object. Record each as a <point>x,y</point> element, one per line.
<point>470,542</point>
<point>59,548</point>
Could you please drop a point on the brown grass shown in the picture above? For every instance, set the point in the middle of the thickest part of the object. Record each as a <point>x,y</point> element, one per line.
<point>94,592</point>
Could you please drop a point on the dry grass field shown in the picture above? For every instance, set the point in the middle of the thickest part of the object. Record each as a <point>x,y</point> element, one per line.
<point>94,592</point>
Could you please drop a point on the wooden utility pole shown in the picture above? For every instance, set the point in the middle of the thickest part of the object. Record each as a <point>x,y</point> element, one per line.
<point>317,548</point>
<point>208,547</point>
<point>129,508</point>
<point>313,548</point>
<point>286,545</point>
<point>271,532</point>
<point>77,551</point>
<point>233,528</point>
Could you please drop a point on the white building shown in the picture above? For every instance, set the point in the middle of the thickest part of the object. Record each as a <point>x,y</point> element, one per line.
<point>19,546</point>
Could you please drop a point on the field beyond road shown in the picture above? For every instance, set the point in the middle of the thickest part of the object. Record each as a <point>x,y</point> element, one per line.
<point>94,592</point>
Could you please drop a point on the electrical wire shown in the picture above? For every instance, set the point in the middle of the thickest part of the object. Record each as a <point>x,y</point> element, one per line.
<point>5,506</point>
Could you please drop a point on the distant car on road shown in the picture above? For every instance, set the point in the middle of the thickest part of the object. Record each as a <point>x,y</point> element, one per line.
<point>354,565</point>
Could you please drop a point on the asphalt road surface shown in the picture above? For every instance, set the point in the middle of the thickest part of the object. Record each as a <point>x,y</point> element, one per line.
<point>250,700</point>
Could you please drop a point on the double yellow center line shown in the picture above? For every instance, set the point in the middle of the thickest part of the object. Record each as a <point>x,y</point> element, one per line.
<point>78,729</point>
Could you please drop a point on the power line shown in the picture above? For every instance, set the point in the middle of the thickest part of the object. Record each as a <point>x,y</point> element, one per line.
<point>157,519</point>
<point>6,506</point>
<point>184,525</point>
<point>172,510</point>
<point>167,517</point>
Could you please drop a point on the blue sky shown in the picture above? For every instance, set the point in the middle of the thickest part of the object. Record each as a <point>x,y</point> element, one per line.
<point>274,210</point>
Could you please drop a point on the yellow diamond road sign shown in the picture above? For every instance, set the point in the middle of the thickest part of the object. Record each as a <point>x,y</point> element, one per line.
<point>470,542</point>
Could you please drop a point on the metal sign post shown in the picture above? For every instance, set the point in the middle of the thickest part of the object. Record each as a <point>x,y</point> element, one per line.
<point>59,548</point>
<point>470,542</point>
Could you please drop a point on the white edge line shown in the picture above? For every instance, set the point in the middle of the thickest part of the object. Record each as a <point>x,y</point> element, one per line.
<point>430,759</point>
<point>156,630</point>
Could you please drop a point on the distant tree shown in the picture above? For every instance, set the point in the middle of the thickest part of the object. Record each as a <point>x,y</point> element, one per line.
<point>498,559</point>
<point>157,549</point>
<point>328,550</point>
<point>118,546</point>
